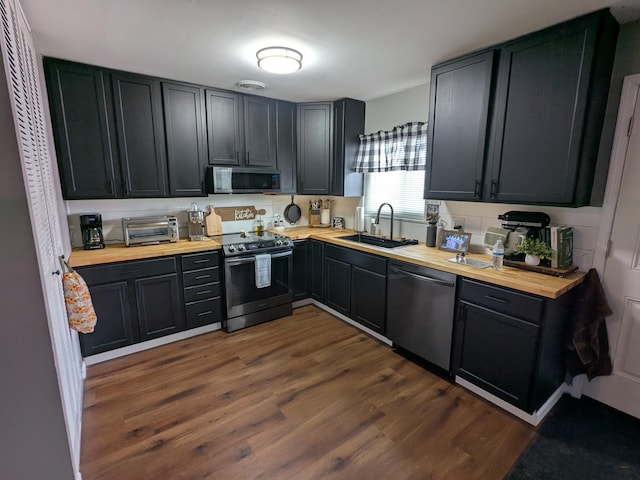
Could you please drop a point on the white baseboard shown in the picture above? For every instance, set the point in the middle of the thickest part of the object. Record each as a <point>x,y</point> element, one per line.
<point>140,347</point>
<point>533,418</point>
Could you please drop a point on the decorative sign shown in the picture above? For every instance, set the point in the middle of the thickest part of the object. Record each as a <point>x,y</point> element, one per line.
<point>230,214</point>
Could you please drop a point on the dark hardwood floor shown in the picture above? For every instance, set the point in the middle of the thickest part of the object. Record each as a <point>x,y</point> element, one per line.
<point>303,397</point>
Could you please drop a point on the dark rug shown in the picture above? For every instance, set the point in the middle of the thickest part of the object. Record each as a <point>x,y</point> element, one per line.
<point>582,439</point>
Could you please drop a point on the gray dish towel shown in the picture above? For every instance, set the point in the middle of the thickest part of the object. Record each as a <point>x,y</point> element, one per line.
<point>263,270</point>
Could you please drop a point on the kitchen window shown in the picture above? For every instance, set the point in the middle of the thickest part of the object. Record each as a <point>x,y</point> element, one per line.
<point>403,189</point>
<point>394,165</point>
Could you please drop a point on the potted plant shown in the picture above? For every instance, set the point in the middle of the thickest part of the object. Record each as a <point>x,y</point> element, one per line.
<point>534,250</point>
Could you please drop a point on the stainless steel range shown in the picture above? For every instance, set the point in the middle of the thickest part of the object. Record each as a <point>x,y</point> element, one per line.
<point>258,272</point>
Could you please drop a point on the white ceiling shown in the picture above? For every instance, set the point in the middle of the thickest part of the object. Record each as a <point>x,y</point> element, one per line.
<point>360,49</point>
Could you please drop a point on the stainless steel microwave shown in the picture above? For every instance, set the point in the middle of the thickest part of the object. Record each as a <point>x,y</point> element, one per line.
<point>243,180</point>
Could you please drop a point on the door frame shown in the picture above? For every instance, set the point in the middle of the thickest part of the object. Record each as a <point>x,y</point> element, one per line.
<point>627,105</point>
<point>630,91</point>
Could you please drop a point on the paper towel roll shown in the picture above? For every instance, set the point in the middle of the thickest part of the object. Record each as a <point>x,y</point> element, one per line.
<point>359,220</point>
<point>325,216</point>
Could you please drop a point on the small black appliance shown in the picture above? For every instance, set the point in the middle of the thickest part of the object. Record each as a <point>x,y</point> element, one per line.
<point>91,227</point>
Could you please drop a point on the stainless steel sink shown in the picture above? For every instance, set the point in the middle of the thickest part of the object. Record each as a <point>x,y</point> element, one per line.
<point>378,241</point>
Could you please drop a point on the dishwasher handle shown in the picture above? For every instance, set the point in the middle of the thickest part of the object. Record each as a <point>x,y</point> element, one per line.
<point>423,278</point>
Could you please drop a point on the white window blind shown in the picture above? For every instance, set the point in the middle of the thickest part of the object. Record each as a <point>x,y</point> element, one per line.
<point>403,189</point>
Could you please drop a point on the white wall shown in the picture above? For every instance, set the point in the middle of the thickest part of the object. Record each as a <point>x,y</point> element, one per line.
<point>112,211</point>
<point>410,105</point>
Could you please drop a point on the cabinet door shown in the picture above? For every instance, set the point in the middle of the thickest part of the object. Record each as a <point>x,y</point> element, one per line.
<point>315,147</point>
<point>159,306</point>
<point>186,144</point>
<point>368,298</point>
<point>286,145</point>
<point>458,121</point>
<point>338,285</point>
<point>349,125</point>
<point>82,121</point>
<point>317,270</point>
<point>138,118</point>
<point>114,327</point>
<point>497,352</point>
<point>223,128</point>
<point>259,131</point>
<point>301,262</point>
<point>541,108</point>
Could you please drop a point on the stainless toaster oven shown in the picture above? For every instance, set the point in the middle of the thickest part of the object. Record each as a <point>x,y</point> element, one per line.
<point>150,230</point>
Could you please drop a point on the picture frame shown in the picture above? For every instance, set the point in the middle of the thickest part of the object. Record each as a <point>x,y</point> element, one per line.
<point>455,241</point>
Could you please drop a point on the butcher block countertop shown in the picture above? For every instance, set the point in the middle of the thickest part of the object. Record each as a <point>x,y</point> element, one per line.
<point>119,252</point>
<point>518,279</point>
<point>522,280</point>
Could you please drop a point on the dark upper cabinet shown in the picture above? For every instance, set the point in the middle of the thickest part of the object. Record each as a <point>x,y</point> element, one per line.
<point>315,144</point>
<point>140,133</point>
<point>550,87</point>
<point>545,115</point>
<point>259,131</point>
<point>186,138</point>
<point>327,146</point>
<point>349,125</point>
<point>458,122</point>
<point>81,106</point>
<point>223,127</point>
<point>286,145</point>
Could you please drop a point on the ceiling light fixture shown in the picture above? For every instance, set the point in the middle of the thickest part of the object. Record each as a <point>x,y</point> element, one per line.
<point>279,60</point>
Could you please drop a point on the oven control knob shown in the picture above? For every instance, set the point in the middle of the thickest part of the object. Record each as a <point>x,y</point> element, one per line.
<point>285,241</point>
<point>232,248</point>
<point>241,248</point>
<point>278,243</point>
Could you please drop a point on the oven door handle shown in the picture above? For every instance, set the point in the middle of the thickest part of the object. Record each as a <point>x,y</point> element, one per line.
<point>252,258</point>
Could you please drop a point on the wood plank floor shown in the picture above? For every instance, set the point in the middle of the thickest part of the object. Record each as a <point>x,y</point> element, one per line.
<point>303,397</point>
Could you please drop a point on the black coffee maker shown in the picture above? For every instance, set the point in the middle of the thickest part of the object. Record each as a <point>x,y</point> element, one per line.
<point>91,227</point>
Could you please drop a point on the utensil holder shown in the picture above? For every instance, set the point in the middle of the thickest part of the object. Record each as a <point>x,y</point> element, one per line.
<point>314,217</point>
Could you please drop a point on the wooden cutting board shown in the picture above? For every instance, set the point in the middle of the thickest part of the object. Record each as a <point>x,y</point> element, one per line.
<point>213,223</point>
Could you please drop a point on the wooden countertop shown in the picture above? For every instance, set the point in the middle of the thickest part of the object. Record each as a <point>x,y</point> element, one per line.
<point>518,279</point>
<point>522,280</point>
<point>119,252</point>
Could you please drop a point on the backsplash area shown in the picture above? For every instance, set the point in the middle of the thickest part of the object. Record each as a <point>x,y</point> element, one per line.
<point>478,217</point>
<point>113,211</point>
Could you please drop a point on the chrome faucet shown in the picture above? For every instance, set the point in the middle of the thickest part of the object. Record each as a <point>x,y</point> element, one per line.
<point>378,218</point>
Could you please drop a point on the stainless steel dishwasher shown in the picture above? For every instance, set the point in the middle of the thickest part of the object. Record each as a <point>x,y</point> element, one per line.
<point>420,309</point>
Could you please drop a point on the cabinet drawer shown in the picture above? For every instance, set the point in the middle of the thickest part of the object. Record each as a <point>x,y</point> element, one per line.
<point>505,301</point>
<point>203,312</point>
<point>198,277</point>
<point>201,292</point>
<point>200,260</point>
<point>118,272</point>
<point>369,262</point>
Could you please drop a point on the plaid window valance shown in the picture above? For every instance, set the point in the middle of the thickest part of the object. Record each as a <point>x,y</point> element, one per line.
<point>403,148</point>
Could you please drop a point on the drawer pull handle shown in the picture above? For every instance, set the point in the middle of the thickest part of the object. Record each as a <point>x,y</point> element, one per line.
<point>202,276</point>
<point>208,312</point>
<point>496,299</point>
<point>206,260</point>
<point>203,292</point>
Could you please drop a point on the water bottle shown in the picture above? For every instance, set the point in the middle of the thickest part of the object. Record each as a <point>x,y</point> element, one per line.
<point>498,255</point>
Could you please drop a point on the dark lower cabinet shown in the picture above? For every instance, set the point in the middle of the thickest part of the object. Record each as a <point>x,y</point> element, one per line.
<point>337,285</point>
<point>201,279</point>
<point>510,343</point>
<point>115,324</point>
<point>301,268</point>
<point>355,284</point>
<point>159,306</point>
<point>317,270</point>
<point>134,301</point>
<point>368,298</point>
<point>184,122</point>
